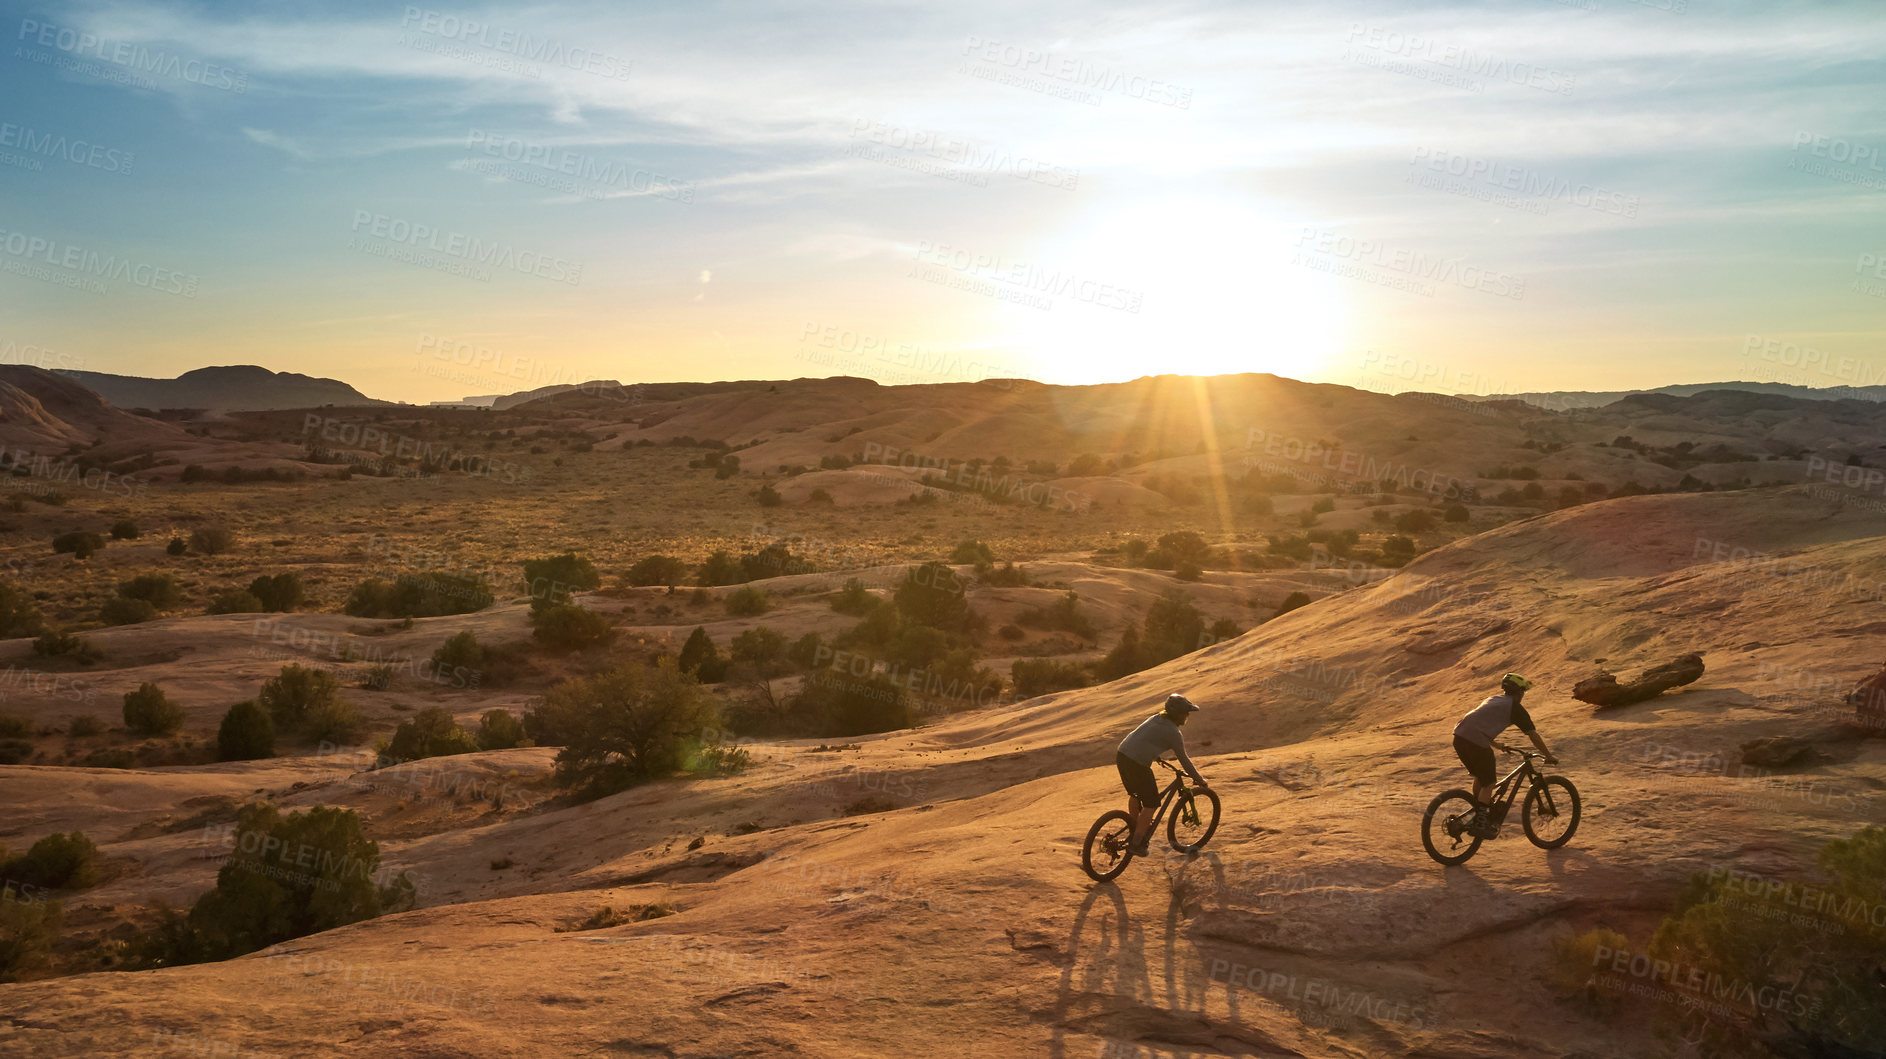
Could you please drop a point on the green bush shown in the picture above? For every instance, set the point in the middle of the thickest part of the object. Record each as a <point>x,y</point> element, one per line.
<point>85,725</point>
<point>768,496</point>
<point>296,691</point>
<point>278,592</point>
<point>1292,602</point>
<point>1171,627</point>
<point>840,703</point>
<point>1064,614</point>
<point>13,726</point>
<point>549,581</point>
<point>212,540</point>
<point>656,570</point>
<point>1415,521</point>
<point>66,861</point>
<point>626,725</point>
<point>176,546</point>
<point>236,601</point>
<point>124,530</point>
<point>288,877</point>
<point>700,659</point>
<point>1458,513</point>
<point>720,569</point>
<point>28,931</point>
<point>51,644</point>
<point>426,594</point>
<point>973,552</point>
<point>122,611</point>
<point>337,720</point>
<point>148,712</point>
<point>569,627</point>
<point>933,596</point>
<point>747,601</point>
<point>431,733</point>
<point>500,730</point>
<point>80,544</point>
<point>19,614</point>
<point>459,650</point>
<point>1038,676</point>
<point>246,734</point>
<point>761,647</point>
<point>159,590</point>
<point>854,599</point>
<point>805,651</point>
<point>14,751</point>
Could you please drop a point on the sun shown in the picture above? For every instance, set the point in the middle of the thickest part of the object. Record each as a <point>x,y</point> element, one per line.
<point>1215,289</point>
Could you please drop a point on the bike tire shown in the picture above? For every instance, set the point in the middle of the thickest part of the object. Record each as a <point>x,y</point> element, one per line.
<point>1206,802</point>
<point>1437,817</point>
<point>1108,850</point>
<point>1543,795</point>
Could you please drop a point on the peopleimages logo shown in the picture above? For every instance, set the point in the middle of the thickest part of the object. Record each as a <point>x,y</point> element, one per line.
<point>90,264</point>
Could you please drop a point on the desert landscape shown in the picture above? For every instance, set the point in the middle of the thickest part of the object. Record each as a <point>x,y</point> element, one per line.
<point>863,839</point>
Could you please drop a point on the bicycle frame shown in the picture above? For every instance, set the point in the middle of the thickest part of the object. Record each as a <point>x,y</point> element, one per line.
<point>1168,796</point>
<point>1506,792</point>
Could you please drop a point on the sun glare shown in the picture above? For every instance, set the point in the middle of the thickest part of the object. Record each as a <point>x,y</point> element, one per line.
<point>1216,293</point>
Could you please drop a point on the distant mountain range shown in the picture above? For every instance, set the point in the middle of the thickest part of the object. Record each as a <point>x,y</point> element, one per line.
<point>1560,400</point>
<point>234,388</point>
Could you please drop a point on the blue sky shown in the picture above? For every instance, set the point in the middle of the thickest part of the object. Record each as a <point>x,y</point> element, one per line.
<point>431,202</point>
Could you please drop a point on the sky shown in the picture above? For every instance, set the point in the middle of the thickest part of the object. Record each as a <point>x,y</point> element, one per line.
<point>437,202</point>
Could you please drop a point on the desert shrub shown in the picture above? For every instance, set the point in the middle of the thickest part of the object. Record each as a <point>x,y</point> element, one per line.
<point>761,647</point>
<point>1397,550</point>
<point>85,725</point>
<point>108,757</point>
<point>51,644</point>
<point>337,720</point>
<point>13,726</point>
<point>1576,960</point>
<point>700,659</point>
<point>973,552</point>
<point>629,724</point>
<point>291,876</point>
<point>1221,630</point>
<point>1012,633</point>
<point>820,497</point>
<point>28,930</point>
<point>720,569</point>
<point>81,544</point>
<point>235,601</point>
<point>176,546</point>
<point>1187,570</point>
<point>840,703</point>
<point>499,730</point>
<point>246,733</point>
<point>1416,521</point>
<point>1008,575</point>
<point>805,651</point>
<point>748,601</point>
<point>768,496</point>
<point>426,594</point>
<point>1064,614</point>
<point>550,580</point>
<point>1171,627</point>
<point>124,530</point>
<point>656,570</point>
<point>277,592</point>
<point>147,711</point>
<point>569,627</point>
<point>119,610</point>
<point>377,677</point>
<point>1796,986</point>
<point>932,595</point>
<point>431,733</point>
<point>1292,602</point>
<point>19,615</point>
<point>715,758</point>
<point>159,590</point>
<point>60,861</point>
<point>1457,513</point>
<point>854,598</point>
<point>291,695</point>
<point>459,649</point>
<point>1038,676</point>
<point>14,751</point>
<point>212,540</point>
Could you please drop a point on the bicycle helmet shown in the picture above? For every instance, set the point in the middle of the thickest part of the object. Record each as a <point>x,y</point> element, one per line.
<point>1515,682</point>
<point>1178,705</point>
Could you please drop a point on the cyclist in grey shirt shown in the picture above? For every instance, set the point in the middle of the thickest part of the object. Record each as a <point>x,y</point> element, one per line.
<point>1477,733</point>
<point>1154,736</point>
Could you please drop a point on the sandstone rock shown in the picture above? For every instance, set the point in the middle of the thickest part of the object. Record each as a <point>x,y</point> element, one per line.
<point>1604,690</point>
<point>1868,699</point>
<point>1774,752</point>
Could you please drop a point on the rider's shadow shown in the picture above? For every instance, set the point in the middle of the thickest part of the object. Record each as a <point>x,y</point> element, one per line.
<point>1104,958</point>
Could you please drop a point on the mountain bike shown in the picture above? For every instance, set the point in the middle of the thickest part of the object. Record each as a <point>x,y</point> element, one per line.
<point>1549,814</point>
<point>1109,846</point>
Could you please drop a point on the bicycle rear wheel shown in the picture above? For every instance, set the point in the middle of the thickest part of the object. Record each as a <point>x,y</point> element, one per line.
<point>1550,814</point>
<point>1444,827</point>
<point>1109,845</point>
<point>1193,821</point>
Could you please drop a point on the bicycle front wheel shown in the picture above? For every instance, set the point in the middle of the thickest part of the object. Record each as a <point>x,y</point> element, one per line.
<point>1109,845</point>
<point>1550,814</point>
<point>1193,821</point>
<point>1444,827</point>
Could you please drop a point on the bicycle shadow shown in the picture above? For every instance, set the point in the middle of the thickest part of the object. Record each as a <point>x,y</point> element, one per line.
<point>1089,959</point>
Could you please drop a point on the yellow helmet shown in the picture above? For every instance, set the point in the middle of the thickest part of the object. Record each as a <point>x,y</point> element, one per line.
<point>1515,682</point>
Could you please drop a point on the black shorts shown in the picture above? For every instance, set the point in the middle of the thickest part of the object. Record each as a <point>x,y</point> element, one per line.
<point>1138,780</point>
<point>1477,758</point>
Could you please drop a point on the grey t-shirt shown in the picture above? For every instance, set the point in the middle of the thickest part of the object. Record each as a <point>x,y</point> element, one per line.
<point>1484,723</point>
<point>1156,735</point>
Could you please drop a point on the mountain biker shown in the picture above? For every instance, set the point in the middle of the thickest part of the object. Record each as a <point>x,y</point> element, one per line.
<point>1474,740</point>
<point>1154,736</point>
